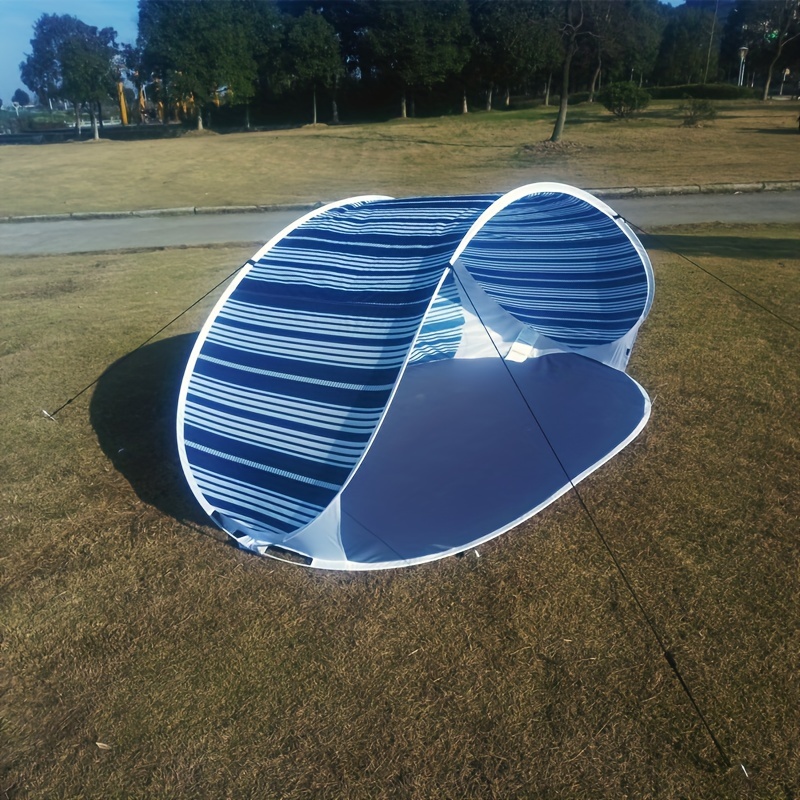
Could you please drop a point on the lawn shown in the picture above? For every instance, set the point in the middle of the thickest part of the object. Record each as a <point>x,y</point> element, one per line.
<point>144,657</point>
<point>478,152</point>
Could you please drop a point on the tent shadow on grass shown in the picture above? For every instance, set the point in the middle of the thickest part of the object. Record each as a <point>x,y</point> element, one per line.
<point>133,413</point>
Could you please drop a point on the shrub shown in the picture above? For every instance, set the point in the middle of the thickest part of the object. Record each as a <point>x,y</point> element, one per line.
<point>708,91</point>
<point>576,98</point>
<point>624,99</point>
<point>696,111</point>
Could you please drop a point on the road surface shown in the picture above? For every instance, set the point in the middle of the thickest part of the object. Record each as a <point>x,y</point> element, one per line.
<point>77,236</point>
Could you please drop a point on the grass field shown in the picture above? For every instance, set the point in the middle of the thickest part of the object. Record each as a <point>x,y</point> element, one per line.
<point>525,673</point>
<point>479,152</point>
<point>529,672</point>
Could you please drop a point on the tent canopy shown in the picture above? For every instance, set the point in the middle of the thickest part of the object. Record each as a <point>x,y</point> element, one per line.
<point>389,381</point>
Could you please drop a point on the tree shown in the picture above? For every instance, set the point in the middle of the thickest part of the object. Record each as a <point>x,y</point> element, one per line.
<point>784,28</point>
<point>766,28</point>
<point>69,60</point>
<point>418,43</point>
<point>572,28</point>
<point>771,33</point>
<point>196,48</point>
<point>88,70</point>
<point>605,45</point>
<point>21,97</point>
<point>315,58</point>
<point>513,43</point>
<point>640,32</point>
<point>624,40</point>
<point>41,70</point>
<point>683,56</point>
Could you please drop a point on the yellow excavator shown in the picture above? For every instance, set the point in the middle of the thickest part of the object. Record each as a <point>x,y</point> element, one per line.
<point>123,106</point>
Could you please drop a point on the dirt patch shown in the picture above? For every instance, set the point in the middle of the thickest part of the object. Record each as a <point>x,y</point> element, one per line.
<point>195,133</point>
<point>46,291</point>
<point>548,148</point>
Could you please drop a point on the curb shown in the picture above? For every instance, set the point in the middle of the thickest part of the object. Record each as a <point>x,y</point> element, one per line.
<point>186,211</point>
<point>696,188</point>
<point>610,192</point>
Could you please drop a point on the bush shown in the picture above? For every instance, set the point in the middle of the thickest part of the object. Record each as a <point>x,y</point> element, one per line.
<point>696,111</point>
<point>707,91</point>
<point>624,99</point>
<point>576,98</point>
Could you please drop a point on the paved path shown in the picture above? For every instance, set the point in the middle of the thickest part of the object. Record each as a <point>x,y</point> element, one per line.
<point>75,236</point>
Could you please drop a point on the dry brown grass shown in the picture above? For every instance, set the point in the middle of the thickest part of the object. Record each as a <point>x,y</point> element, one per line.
<point>527,672</point>
<point>477,153</point>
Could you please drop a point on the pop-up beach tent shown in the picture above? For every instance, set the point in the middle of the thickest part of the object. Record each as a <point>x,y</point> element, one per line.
<point>388,382</point>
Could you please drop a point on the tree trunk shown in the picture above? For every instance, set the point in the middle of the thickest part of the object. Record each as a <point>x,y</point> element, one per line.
<point>77,107</point>
<point>771,68</point>
<point>507,98</point>
<point>403,114</point>
<point>314,104</point>
<point>595,78</point>
<point>765,96</point>
<point>489,92</point>
<point>547,89</point>
<point>334,104</point>
<point>783,29</point>
<point>711,41</point>
<point>571,47</point>
<point>464,104</point>
<point>247,117</point>
<point>199,118</point>
<point>95,131</point>
<point>558,130</point>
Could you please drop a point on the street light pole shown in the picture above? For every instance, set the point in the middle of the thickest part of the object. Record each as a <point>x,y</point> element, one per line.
<point>742,55</point>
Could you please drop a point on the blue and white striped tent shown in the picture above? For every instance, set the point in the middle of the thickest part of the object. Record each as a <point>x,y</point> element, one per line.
<point>390,381</point>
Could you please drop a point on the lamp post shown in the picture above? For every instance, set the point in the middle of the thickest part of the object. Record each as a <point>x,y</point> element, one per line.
<point>742,55</point>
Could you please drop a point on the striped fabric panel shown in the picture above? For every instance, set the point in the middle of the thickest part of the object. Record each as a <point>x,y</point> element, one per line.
<point>562,266</point>
<point>298,365</point>
<point>441,332</point>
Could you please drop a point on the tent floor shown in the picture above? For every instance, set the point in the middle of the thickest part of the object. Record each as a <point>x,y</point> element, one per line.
<point>470,447</point>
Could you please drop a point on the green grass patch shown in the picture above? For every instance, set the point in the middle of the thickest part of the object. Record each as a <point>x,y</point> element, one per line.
<point>527,672</point>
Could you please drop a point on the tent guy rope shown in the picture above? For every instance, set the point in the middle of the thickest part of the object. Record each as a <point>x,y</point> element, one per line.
<point>52,415</point>
<point>665,651</point>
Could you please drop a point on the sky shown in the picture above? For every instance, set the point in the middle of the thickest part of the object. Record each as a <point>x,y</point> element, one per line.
<point>16,29</point>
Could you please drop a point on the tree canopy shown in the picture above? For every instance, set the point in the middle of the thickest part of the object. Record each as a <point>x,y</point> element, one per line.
<point>196,48</point>
<point>770,30</point>
<point>418,43</point>
<point>21,97</point>
<point>313,50</point>
<point>194,55</point>
<point>70,60</point>
<point>60,45</point>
